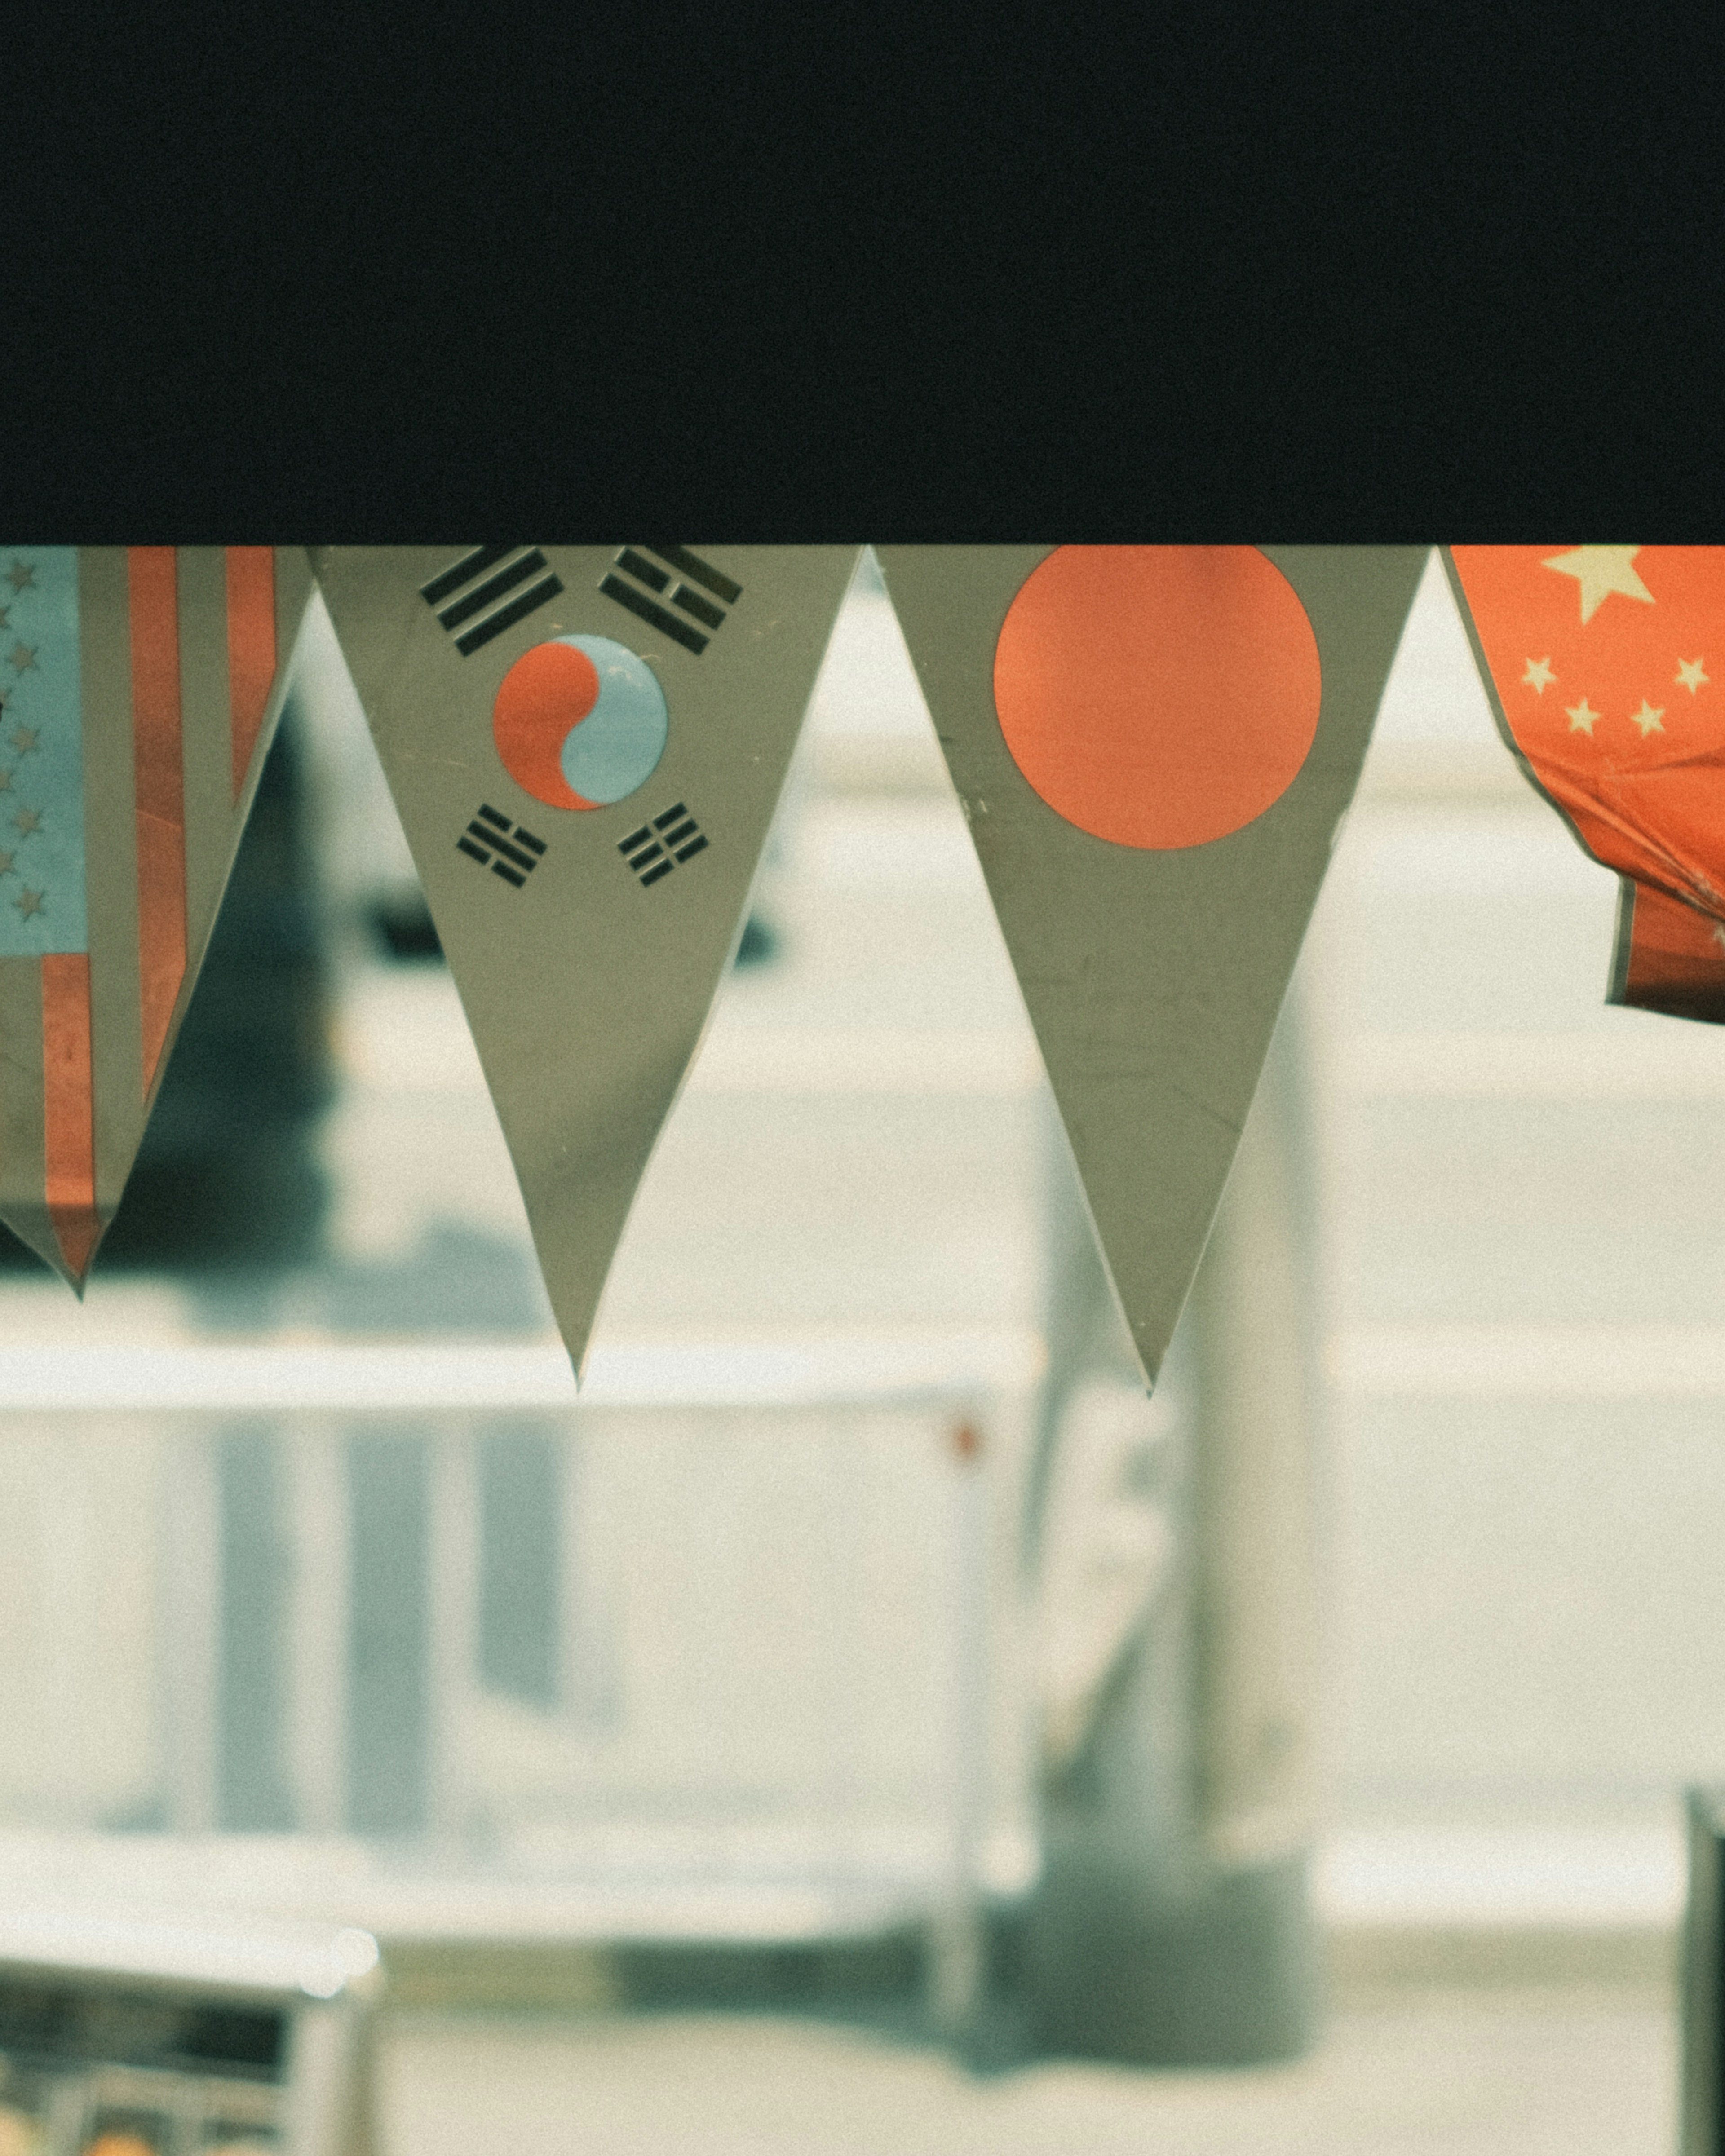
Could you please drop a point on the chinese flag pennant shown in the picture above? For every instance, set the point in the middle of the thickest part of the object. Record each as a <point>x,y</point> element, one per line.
<point>1600,664</point>
<point>1154,747</point>
<point>586,746</point>
<point>139,687</point>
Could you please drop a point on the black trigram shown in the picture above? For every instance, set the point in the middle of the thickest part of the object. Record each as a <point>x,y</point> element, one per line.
<point>489,836</point>
<point>654,850</point>
<point>635,566</point>
<point>467,592</point>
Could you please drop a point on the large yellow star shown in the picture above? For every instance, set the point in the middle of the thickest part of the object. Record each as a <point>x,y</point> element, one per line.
<point>1647,719</point>
<point>1689,675</point>
<point>1600,571</point>
<point>1539,675</point>
<point>29,901</point>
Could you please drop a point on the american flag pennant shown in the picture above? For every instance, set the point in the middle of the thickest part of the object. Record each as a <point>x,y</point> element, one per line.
<point>139,687</point>
<point>1154,747</point>
<point>1603,665</point>
<point>586,746</point>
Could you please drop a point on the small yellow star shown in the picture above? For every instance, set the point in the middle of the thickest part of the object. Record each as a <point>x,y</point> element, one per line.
<point>20,575</point>
<point>5,861</point>
<point>1599,571</point>
<point>29,901</point>
<point>1582,721</point>
<point>22,657</point>
<point>5,616</point>
<point>6,779</point>
<point>1539,675</point>
<point>26,738</point>
<point>26,821</point>
<point>1647,719</point>
<point>1689,675</point>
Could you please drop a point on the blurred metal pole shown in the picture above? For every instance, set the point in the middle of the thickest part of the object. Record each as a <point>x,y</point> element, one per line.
<point>317,1688</point>
<point>1255,1324</point>
<point>1702,2105</point>
<point>957,1946</point>
<point>191,1579</point>
<point>1172,1924</point>
<point>452,1562</point>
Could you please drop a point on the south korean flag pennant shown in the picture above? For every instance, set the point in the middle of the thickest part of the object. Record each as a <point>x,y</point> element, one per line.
<point>586,746</point>
<point>1154,747</point>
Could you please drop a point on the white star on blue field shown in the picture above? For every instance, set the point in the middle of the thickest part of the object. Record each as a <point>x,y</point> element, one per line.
<point>41,756</point>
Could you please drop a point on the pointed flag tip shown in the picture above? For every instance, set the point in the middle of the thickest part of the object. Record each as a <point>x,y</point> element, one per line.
<point>76,1276</point>
<point>77,1230</point>
<point>580,1355</point>
<point>578,1337</point>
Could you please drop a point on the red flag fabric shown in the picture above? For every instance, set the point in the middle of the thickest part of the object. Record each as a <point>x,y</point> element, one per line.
<point>1605,665</point>
<point>139,689</point>
<point>1670,957</point>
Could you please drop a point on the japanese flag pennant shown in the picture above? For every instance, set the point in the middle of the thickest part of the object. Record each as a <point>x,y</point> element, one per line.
<point>586,746</point>
<point>139,687</point>
<point>1154,747</point>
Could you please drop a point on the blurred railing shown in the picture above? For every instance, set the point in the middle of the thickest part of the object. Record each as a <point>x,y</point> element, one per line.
<point>693,1637</point>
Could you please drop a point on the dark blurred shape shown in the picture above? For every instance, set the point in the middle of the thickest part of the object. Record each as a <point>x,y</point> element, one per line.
<point>1224,1974</point>
<point>403,925</point>
<point>389,1670</point>
<point>255,1585</point>
<point>454,1279</point>
<point>521,1513</point>
<point>227,1174</point>
<point>759,944</point>
<point>1702,2109</point>
<point>71,2019</point>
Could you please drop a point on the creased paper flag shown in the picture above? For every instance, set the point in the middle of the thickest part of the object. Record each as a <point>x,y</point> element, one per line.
<point>586,746</point>
<point>1154,747</point>
<point>1601,666</point>
<point>139,689</point>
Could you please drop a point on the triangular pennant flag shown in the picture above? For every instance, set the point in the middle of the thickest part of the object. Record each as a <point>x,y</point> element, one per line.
<point>1154,747</point>
<point>1601,663</point>
<point>586,746</point>
<point>141,687</point>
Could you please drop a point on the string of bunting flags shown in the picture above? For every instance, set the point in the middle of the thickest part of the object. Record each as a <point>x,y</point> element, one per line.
<point>1153,745</point>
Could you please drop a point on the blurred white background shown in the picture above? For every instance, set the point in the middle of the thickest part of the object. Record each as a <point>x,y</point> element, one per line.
<point>725,1648</point>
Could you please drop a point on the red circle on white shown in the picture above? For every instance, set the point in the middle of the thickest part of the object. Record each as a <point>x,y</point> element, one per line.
<point>1157,696</point>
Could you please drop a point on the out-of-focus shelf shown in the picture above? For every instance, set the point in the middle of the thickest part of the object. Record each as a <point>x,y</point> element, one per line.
<point>1477,774</point>
<point>1624,1055</point>
<point>425,1377</point>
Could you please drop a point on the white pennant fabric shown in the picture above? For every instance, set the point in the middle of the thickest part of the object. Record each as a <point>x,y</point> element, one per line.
<point>586,746</point>
<point>1154,747</point>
